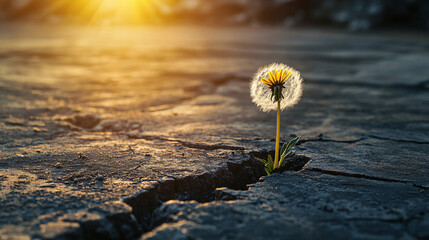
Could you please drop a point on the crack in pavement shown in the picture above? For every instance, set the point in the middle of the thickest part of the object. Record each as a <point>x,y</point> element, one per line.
<point>316,138</point>
<point>363,176</point>
<point>398,140</point>
<point>201,187</point>
<point>319,138</point>
<point>202,146</point>
<point>354,175</point>
<point>208,147</point>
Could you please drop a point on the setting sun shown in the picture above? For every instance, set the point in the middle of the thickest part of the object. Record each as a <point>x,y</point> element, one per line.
<point>107,12</point>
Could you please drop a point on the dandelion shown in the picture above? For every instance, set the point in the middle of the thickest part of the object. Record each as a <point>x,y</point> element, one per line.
<point>276,87</point>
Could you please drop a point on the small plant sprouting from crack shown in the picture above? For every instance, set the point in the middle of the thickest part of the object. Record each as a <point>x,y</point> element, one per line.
<point>284,152</point>
<point>276,87</point>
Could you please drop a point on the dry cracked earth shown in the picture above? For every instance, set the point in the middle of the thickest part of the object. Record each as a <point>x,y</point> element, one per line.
<point>149,133</point>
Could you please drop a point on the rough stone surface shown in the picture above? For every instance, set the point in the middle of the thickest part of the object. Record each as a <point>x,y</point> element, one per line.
<point>304,205</point>
<point>156,114</point>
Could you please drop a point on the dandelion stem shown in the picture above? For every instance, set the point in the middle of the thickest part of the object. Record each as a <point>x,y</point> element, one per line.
<point>276,159</point>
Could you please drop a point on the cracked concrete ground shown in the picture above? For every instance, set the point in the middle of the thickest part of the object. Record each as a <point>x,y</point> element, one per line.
<point>90,117</point>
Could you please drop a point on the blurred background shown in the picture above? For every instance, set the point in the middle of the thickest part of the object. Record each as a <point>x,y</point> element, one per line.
<point>353,15</point>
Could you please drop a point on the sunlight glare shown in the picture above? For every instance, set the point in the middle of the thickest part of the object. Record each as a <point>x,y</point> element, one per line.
<point>111,12</point>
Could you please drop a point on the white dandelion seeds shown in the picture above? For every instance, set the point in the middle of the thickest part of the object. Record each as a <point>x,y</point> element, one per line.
<point>268,77</point>
<point>276,87</point>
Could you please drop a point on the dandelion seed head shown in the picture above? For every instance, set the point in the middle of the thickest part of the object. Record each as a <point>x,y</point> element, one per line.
<point>261,91</point>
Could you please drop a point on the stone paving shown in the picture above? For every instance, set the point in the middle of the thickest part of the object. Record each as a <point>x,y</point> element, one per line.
<point>126,134</point>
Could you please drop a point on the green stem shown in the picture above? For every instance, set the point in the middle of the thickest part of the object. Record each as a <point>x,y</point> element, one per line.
<point>276,159</point>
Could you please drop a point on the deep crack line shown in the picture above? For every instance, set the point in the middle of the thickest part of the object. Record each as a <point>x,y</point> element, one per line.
<point>207,146</point>
<point>329,140</point>
<point>398,140</point>
<point>202,187</point>
<point>202,146</point>
<point>363,176</point>
<point>354,175</point>
<point>319,138</point>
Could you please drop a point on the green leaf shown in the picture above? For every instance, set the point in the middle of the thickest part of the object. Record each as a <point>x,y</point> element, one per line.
<point>262,160</point>
<point>267,171</point>
<point>292,143</point>
<point>283,148</point>
<point>283,156</point>
<point>270,164</point>
<point>287,150</point>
